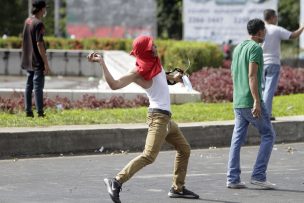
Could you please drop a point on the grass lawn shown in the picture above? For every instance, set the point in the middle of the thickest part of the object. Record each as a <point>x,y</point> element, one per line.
<point>192,112</point>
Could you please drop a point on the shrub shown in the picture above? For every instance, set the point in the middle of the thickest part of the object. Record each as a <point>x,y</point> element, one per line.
<point>107,44</point>
<point>291,81</point>
<point>172,53</point>
<point>199,54</point>
<point>11,43</point>
<point>16,103</point>
<point>55,43</point>
<point>162,47</point>
<point>13,104</point>
<point>216,85</point>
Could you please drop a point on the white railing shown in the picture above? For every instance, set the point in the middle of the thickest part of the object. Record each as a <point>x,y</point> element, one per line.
<point>62,62</point>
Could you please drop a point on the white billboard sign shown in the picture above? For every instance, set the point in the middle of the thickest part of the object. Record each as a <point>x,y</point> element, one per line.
<point>221,20</point>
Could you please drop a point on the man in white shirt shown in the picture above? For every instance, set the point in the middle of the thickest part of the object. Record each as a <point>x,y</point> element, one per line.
<point>271,53</point>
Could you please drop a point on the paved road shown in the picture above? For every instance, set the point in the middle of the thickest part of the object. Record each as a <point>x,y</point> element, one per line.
<point>79,178</point>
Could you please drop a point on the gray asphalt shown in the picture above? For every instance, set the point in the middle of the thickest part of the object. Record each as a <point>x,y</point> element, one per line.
<point>80,178</point>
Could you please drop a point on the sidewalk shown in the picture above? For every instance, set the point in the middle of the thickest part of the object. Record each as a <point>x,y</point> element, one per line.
<point>78,179</point>
<point>129,137</point>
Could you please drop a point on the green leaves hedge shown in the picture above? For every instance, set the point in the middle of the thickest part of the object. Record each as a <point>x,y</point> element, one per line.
<point>199,54</point>
<point>173,53</point>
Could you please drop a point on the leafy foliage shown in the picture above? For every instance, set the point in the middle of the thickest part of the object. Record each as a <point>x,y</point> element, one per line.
<point>14,12</point>
<point>289,12</point>
<point>12,15</point>
<point>16,103</point>
<point>13,104</point>
<point>199,54</point>
<point>169,19</point>
<point>216,84</point>
<point>173,53</point>
<point>291,81</point>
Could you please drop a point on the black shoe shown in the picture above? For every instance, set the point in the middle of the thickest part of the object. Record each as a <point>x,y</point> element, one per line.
<point>113,187</point>
<point>31,115</point>
<point>272,118</point>
<point>41,115</point>
<point>183,194</point>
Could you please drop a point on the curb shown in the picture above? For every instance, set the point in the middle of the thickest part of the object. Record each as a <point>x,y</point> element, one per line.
<point>130,137</point>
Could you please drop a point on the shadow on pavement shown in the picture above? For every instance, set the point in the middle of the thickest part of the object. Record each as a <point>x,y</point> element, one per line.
<point>220,201</point>
<point>277,190</point>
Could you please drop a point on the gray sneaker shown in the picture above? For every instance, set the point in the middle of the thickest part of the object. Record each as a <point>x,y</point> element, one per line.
<point>114,188</point>
<point>183,194</point>
<point>263,184</point>
<point>239,185</point>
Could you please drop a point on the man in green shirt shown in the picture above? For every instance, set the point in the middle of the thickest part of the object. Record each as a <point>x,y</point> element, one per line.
<point>247,69</point>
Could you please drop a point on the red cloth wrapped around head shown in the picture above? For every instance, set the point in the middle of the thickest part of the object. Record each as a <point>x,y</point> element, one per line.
<point>147,65</point>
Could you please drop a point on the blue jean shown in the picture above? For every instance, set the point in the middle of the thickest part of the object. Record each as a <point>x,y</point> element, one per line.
<point>35,81</point>
<point>270,80</point>
<point>243,117</point>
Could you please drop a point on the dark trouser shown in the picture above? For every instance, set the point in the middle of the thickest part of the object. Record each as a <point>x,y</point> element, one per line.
<point>35,80</point>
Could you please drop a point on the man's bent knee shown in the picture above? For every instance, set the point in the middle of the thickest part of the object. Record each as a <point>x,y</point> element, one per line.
<point>149,156</point>
<point>185,150</point>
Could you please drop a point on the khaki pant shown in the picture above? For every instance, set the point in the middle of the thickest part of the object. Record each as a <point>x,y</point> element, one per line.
<point>161,129</point>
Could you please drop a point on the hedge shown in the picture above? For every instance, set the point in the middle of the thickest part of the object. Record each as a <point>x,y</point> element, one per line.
<point>199,54</point>
<point>173,53</point>
<point>216,85</point>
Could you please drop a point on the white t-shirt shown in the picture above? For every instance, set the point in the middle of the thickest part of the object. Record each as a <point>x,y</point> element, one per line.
<point>272,43</point>
<point>158,93</point>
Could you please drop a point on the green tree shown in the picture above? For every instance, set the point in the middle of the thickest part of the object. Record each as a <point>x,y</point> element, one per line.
<point>12,16</point>
<point>169,19</point>
<point>63,19</point>
<point>49,19</point>
<point>14,12</point>
<point>289,12</point>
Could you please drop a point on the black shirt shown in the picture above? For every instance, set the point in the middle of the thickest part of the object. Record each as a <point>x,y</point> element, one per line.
<point>32,33</point>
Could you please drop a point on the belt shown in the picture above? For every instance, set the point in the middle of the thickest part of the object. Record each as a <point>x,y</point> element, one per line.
<point>153,110</point>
